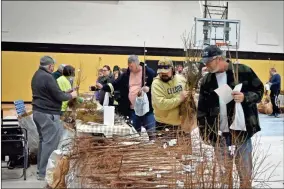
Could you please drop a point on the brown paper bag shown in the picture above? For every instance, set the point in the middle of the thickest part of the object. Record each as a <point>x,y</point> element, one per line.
<point>60,172</point>
<point>265,107</point>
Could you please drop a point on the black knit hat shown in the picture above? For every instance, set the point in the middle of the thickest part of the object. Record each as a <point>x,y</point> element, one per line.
<point>116,68</point>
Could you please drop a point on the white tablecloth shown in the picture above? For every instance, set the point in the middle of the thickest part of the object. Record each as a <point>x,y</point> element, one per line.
<point>108,131</point>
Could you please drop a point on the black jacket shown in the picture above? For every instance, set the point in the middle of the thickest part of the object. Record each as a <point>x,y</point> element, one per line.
<point>56,74</point>
<point>208,104</point>
<point>47,96</point>
<point>122,85</point>
<point>105,80</point>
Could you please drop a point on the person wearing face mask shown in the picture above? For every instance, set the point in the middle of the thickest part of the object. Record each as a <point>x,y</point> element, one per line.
<point>168,92</point>
<point>64,83</point>
<point>214,117</point>
<point>47,99</point>
<point>129,84</point>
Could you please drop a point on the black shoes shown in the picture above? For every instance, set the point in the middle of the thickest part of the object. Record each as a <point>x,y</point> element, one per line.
<point>275,115</point>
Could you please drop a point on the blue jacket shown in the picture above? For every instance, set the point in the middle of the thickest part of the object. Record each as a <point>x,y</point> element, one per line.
<point>121,84</point>
<point>275,80</point>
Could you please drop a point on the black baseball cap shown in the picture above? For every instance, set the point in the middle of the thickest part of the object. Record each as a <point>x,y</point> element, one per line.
<point>210,52</point>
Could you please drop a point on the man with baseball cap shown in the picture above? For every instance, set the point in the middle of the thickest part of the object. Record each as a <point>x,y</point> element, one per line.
<point>167,95</point>
<point>46,102</point>
<point>215,116</point>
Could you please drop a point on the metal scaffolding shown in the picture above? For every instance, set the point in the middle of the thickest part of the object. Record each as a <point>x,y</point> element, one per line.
<point>215,9</point>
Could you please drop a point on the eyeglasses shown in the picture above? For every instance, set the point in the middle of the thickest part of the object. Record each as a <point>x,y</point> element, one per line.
<point>164,67</point>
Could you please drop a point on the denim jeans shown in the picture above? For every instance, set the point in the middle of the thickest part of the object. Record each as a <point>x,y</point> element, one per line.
<point>243,159</point>
<point>50,129</point>
<point>147,121</point>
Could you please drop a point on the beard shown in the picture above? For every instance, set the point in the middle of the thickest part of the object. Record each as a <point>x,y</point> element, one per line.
<point>215,70</point>
<point>165,78</point>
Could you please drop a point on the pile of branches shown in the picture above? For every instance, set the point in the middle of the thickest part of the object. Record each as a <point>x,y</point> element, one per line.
<point>126,163</point>
<point>86,111</point>
<point>123,162</point>
<point>192,74</point>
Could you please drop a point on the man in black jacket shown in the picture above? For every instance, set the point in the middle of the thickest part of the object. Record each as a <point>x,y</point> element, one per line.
<point>275,85</point>
<point>215,117</point>
<point>47,101</point>
<point>130,84</point>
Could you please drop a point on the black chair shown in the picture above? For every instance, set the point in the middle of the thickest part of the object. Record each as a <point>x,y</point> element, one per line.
<point>14,144</point>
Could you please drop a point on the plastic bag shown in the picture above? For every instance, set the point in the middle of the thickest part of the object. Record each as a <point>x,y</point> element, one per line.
<point>71,179</point>
<point>58,163</point>
<point>267,87</point>
<point>66,141</point>
<point>56,169</point>
<point>106,99</point>
<point>27,122</point>
<point>51,164</point>
<point>141,106</point>
<point>239,121</point>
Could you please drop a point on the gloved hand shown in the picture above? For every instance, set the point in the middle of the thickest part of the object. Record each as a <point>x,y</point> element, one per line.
<point>145,89</point>
<point>80,100</point>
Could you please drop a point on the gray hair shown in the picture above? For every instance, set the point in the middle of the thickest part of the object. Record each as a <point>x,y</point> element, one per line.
<point>133,58</point>
<point>44,67</point>
<point>61,67</point>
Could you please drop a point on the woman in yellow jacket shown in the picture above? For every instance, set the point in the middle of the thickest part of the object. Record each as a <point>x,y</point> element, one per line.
<point>65,85</point>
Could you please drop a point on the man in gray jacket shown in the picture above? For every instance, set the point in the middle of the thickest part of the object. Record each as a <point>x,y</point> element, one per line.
<point>47,101</point>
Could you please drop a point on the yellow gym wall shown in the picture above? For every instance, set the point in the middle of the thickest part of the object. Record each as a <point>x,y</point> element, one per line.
<point>19,67</point>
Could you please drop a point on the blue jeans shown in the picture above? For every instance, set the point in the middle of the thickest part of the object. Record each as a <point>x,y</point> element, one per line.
<point>147,121</point>
<point>243,159</point>
<point>50,130</point>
